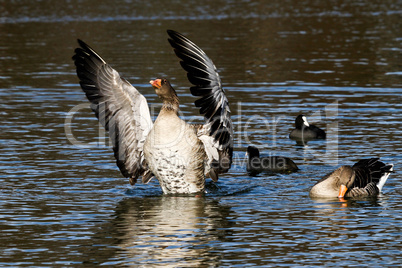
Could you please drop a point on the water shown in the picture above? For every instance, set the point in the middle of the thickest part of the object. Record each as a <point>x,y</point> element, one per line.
<point>67,205</point>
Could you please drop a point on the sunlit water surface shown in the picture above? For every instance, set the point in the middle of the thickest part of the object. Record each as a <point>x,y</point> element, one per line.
<point>63,204</point>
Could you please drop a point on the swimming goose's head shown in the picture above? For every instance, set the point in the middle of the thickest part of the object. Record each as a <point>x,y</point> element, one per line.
<point>163,88</point>
<point>343,179</point>
<point>334,184</point>
<point>166,93</point>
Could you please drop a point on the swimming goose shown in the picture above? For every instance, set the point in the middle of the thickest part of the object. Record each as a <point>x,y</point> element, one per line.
<point>178,154</point>
<point>269,164</point>
<point>306,131</point>
<point>365,178</point>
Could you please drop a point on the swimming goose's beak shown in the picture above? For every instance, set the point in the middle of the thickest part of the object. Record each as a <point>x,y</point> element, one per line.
<point>157,83</point>
<point>342,191</point>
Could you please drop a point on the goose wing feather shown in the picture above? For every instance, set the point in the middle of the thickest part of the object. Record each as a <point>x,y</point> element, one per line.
<point>213,103</point>
<point>119,107</point>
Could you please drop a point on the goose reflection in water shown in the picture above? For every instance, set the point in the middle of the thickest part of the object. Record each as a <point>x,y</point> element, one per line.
<point>337,222</point>
<point>172,231</point>
<point>335,203</point>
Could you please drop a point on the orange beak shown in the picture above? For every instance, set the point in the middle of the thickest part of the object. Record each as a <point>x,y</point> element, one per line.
<point>342,191</point>
<point>157,83</point>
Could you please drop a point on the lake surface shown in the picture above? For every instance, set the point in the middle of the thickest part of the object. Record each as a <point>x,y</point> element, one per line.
<point>66,204</point>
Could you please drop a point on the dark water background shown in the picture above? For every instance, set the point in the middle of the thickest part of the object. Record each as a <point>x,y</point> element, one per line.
<point>339,62</point>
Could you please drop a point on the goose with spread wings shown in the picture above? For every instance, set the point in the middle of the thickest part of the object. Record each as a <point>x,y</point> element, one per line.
<point>178,154</point>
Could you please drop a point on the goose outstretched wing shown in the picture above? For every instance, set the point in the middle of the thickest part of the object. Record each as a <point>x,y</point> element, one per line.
<point>213,103</point>
<point>119,107</point>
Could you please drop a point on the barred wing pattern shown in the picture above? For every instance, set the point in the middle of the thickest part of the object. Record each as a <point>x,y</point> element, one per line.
<point>213,104</point>
<point>119,107</point>
<point>371,175</point>
<point>369,170</point>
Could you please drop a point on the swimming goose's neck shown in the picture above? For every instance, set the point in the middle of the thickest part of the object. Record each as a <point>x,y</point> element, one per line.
<point>171,104</point>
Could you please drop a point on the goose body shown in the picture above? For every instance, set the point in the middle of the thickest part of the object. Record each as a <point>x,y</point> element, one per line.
<point>175,155</point>
<point>178,154</point>
<point>305,131</point>
<point>365,178</point>
<point>268,164</point>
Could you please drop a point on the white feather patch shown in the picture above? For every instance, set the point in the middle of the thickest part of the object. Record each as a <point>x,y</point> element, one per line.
<point>384,178</point>
<point>210,149</point>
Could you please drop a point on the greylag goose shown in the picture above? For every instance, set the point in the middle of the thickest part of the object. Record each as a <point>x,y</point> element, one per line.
<point>268,164</point>
<point>305,131</point>
<point>178,154</point>
<point>365,178</point>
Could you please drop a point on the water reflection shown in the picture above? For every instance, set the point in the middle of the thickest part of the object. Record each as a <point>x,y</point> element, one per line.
<point>336,203</point>
<point>170,231</point>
